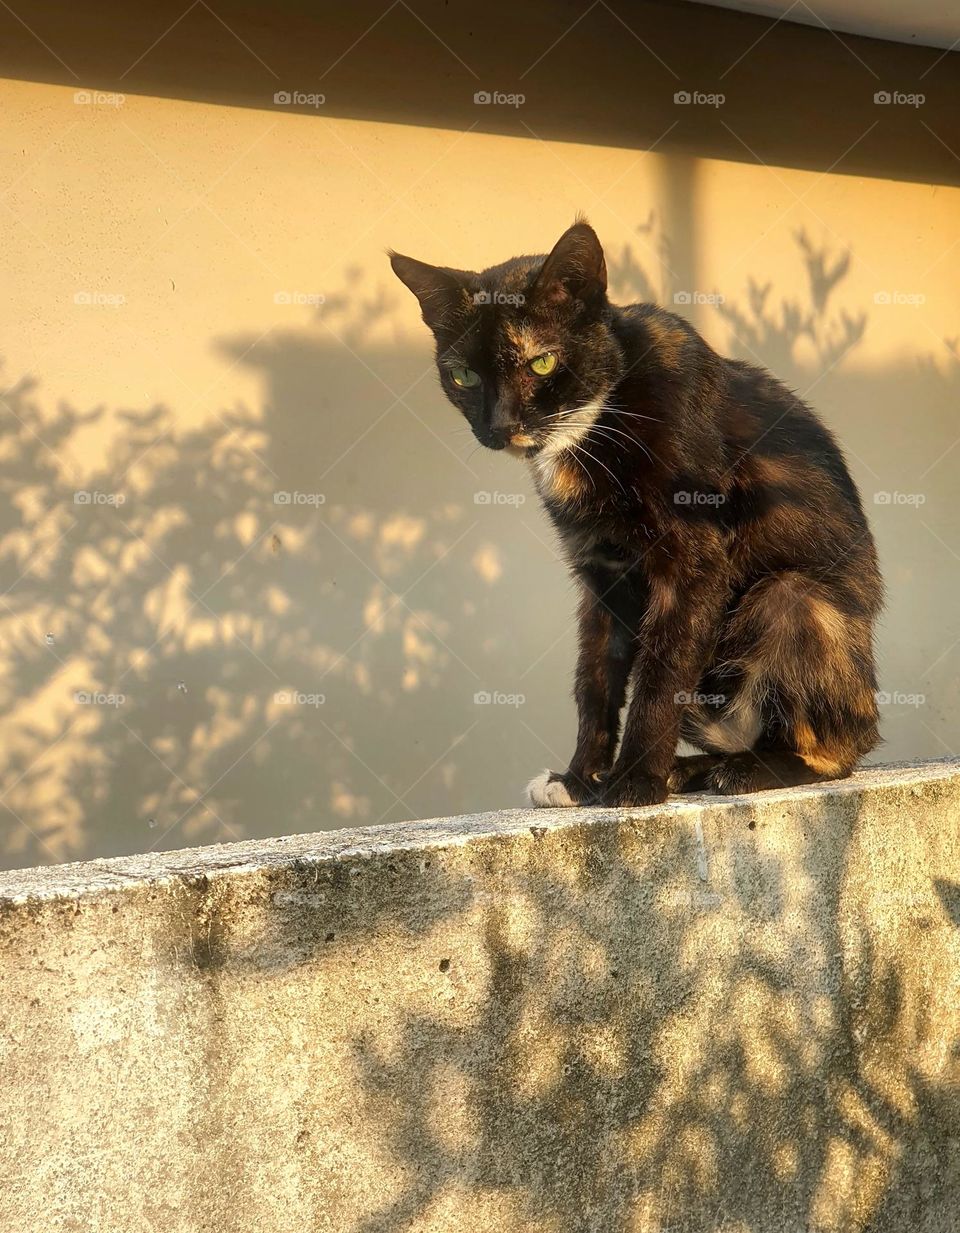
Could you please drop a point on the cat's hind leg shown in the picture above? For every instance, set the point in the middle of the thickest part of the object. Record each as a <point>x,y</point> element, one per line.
<point>759,772</point>
<point>803,652</point>
<point>693,773</point>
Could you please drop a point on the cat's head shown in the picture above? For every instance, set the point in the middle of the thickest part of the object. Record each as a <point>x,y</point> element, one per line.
<point>524,349</point>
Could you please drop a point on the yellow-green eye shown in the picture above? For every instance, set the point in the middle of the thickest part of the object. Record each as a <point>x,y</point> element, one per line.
<point>466,378</point>
<point>543,365</point>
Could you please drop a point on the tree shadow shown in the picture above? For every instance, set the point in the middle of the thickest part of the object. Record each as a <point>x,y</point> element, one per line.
<point>309,613</point>
<point>741,1018</point>
<point>773,332</point>
<point>652,1049</point>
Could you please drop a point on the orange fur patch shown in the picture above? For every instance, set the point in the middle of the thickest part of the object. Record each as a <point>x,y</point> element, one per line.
<point>864,704</point>
<point>566,482</point>
<point>772,471</point>
<point>663,596</point>
<point>825,765</point>
<point>525,341</point>
<point>669,341</point>
<point>820,760</point>
<point>830,620</point>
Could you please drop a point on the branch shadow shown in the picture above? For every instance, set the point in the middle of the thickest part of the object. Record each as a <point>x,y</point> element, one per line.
<point>659,1022</point>
<point>296,606</point>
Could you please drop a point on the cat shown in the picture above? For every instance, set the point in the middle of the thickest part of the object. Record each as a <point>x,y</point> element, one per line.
<point>726,570</point>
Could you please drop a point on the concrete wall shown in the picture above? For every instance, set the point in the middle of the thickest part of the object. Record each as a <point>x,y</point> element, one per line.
<point>146,359</point>
<point>737,1016</point>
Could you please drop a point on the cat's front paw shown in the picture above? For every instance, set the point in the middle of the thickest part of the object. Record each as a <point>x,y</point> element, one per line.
<point>632,791</point>
<point>556,790</point>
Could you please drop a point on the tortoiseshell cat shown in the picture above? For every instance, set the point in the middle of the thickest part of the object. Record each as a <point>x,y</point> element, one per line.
<point>725,565</point>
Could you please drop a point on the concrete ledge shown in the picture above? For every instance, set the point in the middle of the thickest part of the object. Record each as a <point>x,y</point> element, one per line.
<point>737,1014</point>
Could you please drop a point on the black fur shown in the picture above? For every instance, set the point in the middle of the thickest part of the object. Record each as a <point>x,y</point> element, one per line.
<point>724,559</point>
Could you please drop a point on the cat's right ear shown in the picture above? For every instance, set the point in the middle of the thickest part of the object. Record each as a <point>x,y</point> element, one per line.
<point>575,267</point>
<point>442,294</point>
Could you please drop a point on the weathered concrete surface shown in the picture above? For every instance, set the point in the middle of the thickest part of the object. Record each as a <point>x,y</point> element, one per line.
<point>739,1015</point>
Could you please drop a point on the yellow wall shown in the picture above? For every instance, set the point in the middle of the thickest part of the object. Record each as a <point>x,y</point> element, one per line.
<point>187,390</point>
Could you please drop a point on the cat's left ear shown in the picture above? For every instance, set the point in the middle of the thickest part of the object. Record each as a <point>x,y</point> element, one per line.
<point>442,293</point>
<point>575,268</point>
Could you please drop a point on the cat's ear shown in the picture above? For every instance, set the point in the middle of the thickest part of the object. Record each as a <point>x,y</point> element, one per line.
<point>442,293</point>
<point>575,268</point>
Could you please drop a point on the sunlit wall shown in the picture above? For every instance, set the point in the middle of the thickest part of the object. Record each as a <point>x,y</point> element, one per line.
<point>256,575</point>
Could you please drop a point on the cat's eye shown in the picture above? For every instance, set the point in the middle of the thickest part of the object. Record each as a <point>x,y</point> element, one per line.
<point>543,365</point>
<point>466,378</point>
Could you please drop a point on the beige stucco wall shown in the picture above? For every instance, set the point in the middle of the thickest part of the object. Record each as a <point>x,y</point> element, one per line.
<point>147,358</point>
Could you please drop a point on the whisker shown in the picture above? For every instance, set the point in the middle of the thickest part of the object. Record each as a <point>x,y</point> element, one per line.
<point>611,434</point>
<point>614,477</point>
<point>605,428</point>
<point>583,468</point>
<point>634,414</point>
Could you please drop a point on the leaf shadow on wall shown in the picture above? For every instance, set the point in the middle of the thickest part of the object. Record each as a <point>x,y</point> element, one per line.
<point>334,609</point>
<point>638,1023</point>
<point>763,1059</point>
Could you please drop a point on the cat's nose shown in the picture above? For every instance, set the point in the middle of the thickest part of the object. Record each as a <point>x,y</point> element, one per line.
<point>495,438</point>
<point>502,419</point>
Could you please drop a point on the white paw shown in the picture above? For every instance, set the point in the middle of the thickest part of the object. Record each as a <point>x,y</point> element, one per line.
<point>554,795</point>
